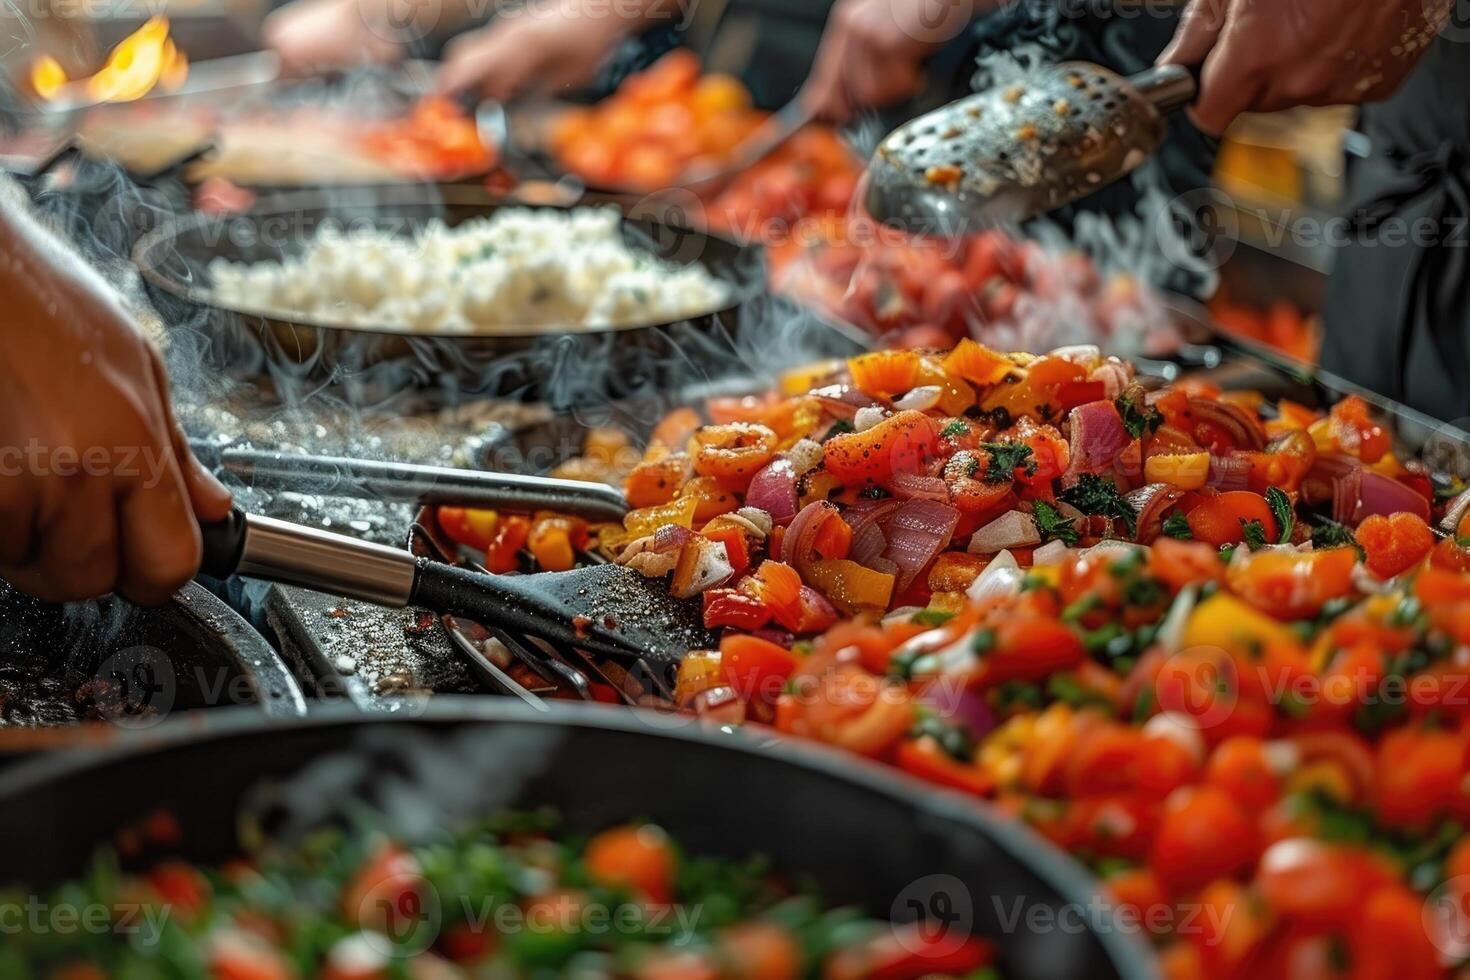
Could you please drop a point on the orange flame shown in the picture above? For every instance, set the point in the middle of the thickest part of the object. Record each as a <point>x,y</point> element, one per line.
<point>143,60</point>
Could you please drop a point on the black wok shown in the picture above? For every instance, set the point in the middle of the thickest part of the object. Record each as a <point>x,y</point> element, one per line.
<point>561,367</point>
<point>867,837</point>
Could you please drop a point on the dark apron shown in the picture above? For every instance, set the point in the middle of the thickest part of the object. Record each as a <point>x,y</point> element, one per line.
<point>1397,314</point>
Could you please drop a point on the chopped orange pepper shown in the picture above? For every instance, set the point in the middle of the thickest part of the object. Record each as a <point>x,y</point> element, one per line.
<point>976,363</point>
<point>885,373</point>
<point>852,587</point>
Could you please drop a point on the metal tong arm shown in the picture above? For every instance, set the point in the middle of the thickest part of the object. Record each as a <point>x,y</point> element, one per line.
<point>1167,87</point>
<point>412,483</point>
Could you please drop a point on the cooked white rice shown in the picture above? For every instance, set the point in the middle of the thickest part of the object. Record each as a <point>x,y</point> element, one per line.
<point>520,267</point>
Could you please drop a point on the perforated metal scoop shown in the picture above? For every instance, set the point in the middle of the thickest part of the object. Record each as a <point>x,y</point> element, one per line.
<point>1019,150</point>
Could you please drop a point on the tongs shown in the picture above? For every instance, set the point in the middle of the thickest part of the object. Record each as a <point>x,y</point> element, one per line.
<point>606,609</point>
<point>1019,150</point>
<point>412,483</point>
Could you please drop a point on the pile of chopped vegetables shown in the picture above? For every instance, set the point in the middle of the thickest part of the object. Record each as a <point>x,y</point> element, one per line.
<point>1212,646</point>
<point>504,899</point>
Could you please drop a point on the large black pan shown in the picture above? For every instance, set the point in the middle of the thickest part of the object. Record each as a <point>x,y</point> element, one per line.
<point>867,837</point>
<point>133,665</point>
<point>561,367</point>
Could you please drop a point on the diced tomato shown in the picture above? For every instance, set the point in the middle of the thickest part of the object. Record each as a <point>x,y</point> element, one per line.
<point>1204,834</point>
<point>1221,520</point>
<point>637,857</point>
<point>1418,777</point>
<point>503,553</point>
<point>1030,649</point>
<point>385,889</point>
<point>1394,544</point>
<point>756,668</point>
<point>1293,585</point>
<point>1239,766</point>
<point>925,758</point>
<point>908,952</point>
<point>1181,563</point>
<point>730,607</point>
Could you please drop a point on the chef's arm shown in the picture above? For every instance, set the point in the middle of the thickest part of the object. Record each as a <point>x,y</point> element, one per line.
<point>98,490</point>
<point>872,52</point>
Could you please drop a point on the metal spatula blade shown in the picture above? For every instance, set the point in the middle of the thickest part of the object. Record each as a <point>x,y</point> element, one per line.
<point>1019,150</point>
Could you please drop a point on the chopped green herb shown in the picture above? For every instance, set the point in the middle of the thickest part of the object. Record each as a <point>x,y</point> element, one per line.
<point>983,641</point>
<point>1137,416</point>
<point>1064,687</point>
<point>931,617</point>
<point>956,741</point>
<point>1081,606</point>
<point>955,429</point>
<point>1176,526</point>
<point>1005,459</point>
<point>1227,552</point>
<point>1094,495</point>
<point>1253,533</point>
<point>1282,510</point>
<point>1014,695</point>
<point>1052,525</point>
<point>1330,534</point>
<point>1032,582</point>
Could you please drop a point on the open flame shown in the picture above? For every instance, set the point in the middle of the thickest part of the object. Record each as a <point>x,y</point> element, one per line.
<point>143,60</point>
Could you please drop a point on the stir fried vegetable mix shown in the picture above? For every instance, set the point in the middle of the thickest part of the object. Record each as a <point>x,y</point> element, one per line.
<point>1208,644</point>
<point>505,899</point>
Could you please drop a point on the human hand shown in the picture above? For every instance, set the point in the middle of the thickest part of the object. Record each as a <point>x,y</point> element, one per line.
<point>872,52</point>
<point>1267,55</point>
<point>98,489</point>
<point>550,45</point>
<point>314,35</point>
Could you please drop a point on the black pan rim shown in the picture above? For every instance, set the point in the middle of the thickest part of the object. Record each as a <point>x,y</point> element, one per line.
<point>414,194</point>
<point>1057,869</point>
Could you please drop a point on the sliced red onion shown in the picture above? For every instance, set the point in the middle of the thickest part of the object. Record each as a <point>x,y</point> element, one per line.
<point>1012,529</point>
<point>842,401</point>
<point>868,545</point>
<point>1454,511</point>
<point>959,704</point>
<point>1229,472</point>
<point>817,602</point>
<point>670,537</point>
<point>906,486</point>
<point>1347,494</point>
<point>917,531</point>
<point>1379,494</point>
<point>1096,437</point>
<point>1319,485</point>
<point>796,546</point>
<point>1150,504</point>
<point>773,490</point>
<point>1245,430</point>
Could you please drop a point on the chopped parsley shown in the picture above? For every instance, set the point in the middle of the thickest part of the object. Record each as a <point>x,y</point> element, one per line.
<point>955,429</point>
<point>1282,510</point>
<point>1330,534</point>
<point>1013,695</point>
<point>931,617</point>
<point>1052,525</point>
<point>983,641</point>
<point>1005,459</point>
<point>955,740</point>
<point>1176,526</point>
<point>1094,495</point>
<point>1065,687</point>
<point>1138,417</point>
<point>1253,534</point>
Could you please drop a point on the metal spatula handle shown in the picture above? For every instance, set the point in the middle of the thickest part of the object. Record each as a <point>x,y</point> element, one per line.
<point>291,554</point>
<point>1167,87</point>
